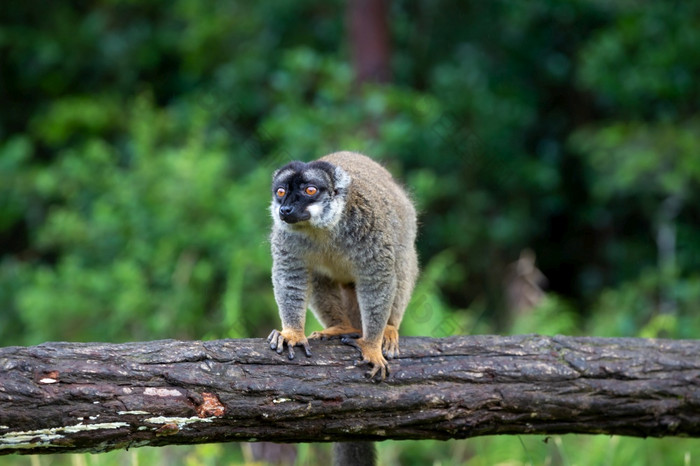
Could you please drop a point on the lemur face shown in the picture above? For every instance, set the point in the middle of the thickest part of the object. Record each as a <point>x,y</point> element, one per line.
<point>308,195</point>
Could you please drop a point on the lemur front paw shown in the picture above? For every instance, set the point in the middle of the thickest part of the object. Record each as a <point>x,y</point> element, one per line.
<point>372,355</point>
<point>290,337</point>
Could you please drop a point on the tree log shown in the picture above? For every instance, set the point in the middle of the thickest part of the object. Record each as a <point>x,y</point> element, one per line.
<point>68,397</point>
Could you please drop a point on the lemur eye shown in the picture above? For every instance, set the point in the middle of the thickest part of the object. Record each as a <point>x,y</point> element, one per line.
<point>311,190</point>
<point>281,192</point>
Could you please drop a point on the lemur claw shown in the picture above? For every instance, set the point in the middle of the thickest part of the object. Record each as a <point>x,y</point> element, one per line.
<point>292,338</point>
<point>370,356</point>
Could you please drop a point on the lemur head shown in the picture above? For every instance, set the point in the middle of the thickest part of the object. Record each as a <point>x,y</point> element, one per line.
<point>308,195</point>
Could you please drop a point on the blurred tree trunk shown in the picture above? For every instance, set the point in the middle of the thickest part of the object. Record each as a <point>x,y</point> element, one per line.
<point>369,40</point>
<point>666,250</point>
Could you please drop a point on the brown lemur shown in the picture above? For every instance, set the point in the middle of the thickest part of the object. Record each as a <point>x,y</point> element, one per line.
<point>343,244</point>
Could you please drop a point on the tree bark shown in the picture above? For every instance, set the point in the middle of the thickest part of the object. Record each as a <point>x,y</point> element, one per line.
<point>68,397</point>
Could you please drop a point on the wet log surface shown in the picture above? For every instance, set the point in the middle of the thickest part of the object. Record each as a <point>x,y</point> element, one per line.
<point>68,397</point>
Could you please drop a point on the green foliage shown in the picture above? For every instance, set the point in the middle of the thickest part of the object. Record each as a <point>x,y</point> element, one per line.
<point>316,111</point>
<point>145,232</point>
<point>631,309</point>
<point>139,139</point>
<point>480,451</point>
<point>428,313</point>
<point>552,316</point>
<point>645,63</point>
<point>642,160</point>
<point>534,450</point>
<point>14,155</point>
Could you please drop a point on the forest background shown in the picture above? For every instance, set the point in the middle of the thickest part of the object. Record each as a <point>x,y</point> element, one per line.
<point>137,142</point>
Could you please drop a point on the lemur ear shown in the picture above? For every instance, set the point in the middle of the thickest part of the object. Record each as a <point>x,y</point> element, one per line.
<point>341,179</point>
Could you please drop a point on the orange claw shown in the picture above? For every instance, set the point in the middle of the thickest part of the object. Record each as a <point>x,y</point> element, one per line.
<point>292,337</point>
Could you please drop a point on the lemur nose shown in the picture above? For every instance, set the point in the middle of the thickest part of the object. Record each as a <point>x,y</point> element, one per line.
<point>286,210</point>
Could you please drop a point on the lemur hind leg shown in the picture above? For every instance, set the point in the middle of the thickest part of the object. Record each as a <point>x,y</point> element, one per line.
<point>335,306</point>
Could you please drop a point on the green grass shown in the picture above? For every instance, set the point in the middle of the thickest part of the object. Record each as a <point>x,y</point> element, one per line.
<point>566,450</point>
